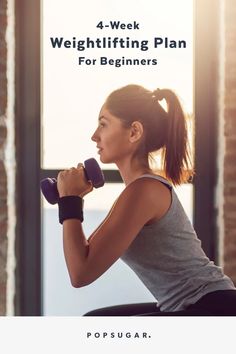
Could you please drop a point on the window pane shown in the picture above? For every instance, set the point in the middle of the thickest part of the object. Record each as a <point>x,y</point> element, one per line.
<point>73,94</point>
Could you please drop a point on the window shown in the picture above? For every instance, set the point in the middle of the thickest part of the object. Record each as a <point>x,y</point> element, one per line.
<point>73,94</point>
<point>36,153</point>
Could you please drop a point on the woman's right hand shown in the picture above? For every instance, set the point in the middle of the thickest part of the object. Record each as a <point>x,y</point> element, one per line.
<point>73,182</point>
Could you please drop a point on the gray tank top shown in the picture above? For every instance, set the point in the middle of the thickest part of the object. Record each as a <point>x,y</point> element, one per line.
<point>168,258</point>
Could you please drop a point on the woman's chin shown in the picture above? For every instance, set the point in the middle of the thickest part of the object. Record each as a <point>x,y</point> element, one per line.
<point>103,159</point>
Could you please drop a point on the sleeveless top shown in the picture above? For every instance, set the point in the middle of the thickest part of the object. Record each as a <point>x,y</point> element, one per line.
<point>168,258</point>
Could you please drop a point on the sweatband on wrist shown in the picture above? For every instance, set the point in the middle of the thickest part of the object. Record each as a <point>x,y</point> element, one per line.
<point>70,207</point>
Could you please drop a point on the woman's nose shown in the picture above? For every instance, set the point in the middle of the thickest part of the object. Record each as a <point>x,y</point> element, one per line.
<point>94,136</point>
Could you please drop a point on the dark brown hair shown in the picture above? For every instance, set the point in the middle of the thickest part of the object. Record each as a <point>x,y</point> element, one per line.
<point>165,130</point>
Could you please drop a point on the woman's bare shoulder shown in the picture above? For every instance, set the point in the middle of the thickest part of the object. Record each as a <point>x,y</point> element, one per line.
<point>147,185</point>
<point>156,195</point>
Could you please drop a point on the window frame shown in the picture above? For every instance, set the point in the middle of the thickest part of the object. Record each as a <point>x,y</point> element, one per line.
<point>206,114</point>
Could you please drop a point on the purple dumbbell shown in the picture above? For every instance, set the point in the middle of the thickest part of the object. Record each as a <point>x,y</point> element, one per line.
<point>92,171</point>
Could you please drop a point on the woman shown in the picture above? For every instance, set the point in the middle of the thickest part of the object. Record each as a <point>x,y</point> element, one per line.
<point>147,226</point>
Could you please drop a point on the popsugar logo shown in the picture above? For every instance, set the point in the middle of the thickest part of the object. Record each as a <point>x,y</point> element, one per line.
<point>121,335</point>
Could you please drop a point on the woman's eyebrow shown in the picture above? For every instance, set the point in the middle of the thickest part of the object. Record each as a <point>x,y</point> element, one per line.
<point>103,117</point>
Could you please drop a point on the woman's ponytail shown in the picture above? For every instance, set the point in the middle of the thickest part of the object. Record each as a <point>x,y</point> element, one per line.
<point>176,159</point>
<point>165,131</point>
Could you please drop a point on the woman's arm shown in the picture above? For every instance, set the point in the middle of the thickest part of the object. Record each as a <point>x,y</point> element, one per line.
<point>88,260</point>
<point>76,249</point>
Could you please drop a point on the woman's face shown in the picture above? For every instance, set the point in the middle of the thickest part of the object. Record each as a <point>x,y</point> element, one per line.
<point>112,138</point>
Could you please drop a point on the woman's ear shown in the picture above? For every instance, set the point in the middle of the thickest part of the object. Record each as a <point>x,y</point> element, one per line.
<point>136,131</point>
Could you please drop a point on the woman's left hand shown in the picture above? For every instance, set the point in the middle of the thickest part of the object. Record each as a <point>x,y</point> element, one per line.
<point>73,182</point>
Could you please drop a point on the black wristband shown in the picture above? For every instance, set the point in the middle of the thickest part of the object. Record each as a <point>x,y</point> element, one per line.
<point>70,207</point>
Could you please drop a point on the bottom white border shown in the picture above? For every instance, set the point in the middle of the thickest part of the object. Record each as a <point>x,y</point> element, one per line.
<point>131,334</point>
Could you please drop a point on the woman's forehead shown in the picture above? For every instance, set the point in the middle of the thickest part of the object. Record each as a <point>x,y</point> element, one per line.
<point>104,112</point>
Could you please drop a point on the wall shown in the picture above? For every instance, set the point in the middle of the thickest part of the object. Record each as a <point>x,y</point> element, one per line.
<point>3,137</point>
<point>7,159</point>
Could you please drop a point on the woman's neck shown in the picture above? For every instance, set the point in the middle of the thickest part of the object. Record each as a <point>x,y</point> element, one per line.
<point>131,170</point>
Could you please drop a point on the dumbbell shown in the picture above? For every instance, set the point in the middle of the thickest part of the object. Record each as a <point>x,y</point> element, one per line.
<point>92,172</point>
